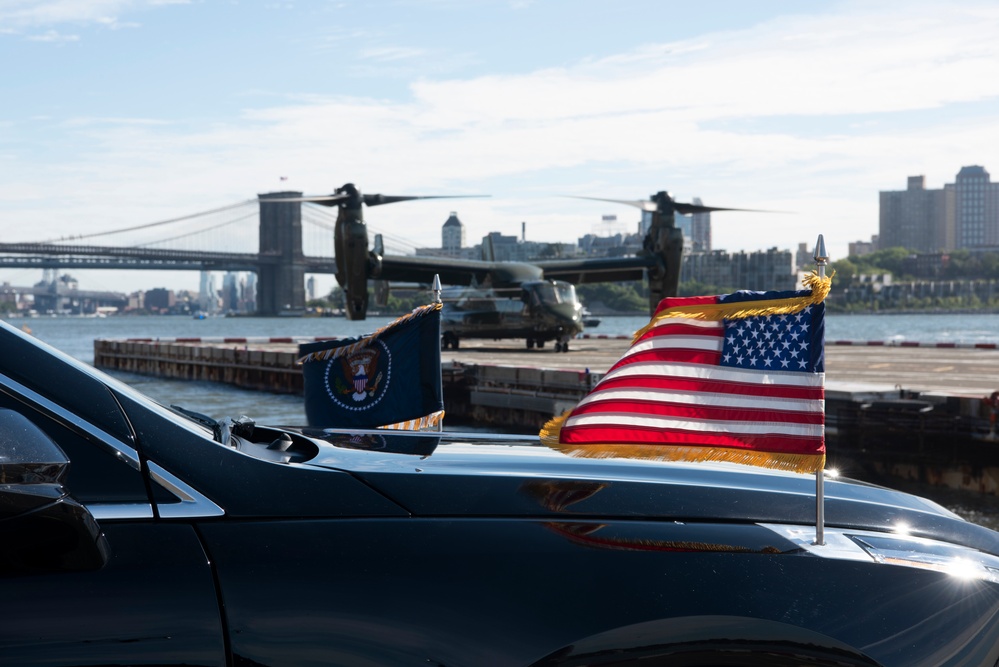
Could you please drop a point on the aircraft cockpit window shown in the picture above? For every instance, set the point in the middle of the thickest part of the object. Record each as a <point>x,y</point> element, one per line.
<point>555,292</point>
<point>546,292</point>
<point>565,292</point>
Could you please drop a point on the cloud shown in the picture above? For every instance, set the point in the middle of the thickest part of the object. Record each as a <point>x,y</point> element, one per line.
<point>34,13</point>
<point>390,53</point>
<point>52,36</point>
<point>807,113</point>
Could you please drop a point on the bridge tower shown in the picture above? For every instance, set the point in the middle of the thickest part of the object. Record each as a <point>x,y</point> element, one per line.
<point>281,281</point>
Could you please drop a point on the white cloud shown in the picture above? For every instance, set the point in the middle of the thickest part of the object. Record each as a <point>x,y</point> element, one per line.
<point>390,53</point>
<point>52,36</point>
<point>33,13</point>
<point>809,113</point>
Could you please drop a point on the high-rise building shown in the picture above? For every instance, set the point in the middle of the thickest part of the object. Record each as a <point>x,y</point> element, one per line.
<point>963,214</point>
<point>976,220</point>
<point>207,296</point>
<point>452,235</point>
<point>700,229</point>
<point>914,218</point>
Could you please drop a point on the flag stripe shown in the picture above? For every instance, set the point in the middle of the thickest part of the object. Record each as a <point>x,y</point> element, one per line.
<point>735,421</point>
<point>655,382</point>
<point>683,326</point>
<point>695,435</point>
<point>655,343</point>
<point>622,397</point>
<point>698,371</point>
<point>668,356</point>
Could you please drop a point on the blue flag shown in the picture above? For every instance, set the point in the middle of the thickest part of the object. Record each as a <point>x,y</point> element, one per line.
<point>391,378</point>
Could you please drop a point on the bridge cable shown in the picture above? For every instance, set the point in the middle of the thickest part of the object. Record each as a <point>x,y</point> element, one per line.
<point>151,224</point>
<point>197,231</point>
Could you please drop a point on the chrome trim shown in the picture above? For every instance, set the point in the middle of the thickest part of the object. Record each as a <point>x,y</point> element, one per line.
<point>192,503</point>
<point>837,544</point>
<point>120,511</point>
<point>112,445</point>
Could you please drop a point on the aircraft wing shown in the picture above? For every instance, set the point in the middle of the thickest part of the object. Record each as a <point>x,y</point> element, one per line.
<point>454,271</point>
<point>597,269</point>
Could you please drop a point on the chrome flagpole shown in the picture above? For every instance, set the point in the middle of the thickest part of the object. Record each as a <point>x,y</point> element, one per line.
<point>821,257</point>
<point>436,288</point>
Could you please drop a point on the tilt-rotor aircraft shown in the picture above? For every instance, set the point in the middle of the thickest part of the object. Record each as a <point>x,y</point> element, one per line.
<point>535,301</point>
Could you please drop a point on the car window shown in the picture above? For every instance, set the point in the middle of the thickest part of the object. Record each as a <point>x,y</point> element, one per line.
<point>96,475</point>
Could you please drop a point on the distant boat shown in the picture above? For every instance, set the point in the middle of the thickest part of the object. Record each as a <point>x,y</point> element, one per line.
<point>589,321</point>
<point>200,316</point>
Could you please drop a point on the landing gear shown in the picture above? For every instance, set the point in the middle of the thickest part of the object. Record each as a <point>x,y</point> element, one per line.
<point>449,339</point>
<point>562,346</point>
<point>530,343</point>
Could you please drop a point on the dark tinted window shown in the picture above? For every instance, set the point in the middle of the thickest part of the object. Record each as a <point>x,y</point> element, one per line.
<point>95,475</point>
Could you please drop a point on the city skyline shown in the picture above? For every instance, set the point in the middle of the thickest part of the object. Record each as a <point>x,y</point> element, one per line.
<point>123,113</point>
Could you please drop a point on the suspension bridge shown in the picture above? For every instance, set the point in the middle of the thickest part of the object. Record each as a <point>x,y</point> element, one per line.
<point>259,235</point>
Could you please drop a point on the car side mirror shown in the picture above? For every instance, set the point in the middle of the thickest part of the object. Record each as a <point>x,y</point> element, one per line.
<point>42,528</point>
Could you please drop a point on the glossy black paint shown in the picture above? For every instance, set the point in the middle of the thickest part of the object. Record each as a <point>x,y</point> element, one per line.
<point>445,549</point>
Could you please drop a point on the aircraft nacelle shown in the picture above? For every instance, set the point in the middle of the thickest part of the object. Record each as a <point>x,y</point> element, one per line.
<point>664,246</point>
<point>352,262</point>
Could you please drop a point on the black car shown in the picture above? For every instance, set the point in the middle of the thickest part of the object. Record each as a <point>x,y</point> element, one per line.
<point>136,534</point>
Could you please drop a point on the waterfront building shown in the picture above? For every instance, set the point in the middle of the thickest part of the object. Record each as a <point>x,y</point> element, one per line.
<point>700,229</point>
<point>452,242</point>
<point>452,236</point>
<point>160,299</point>
<point>961,215</point>
<point>250,292</point>
<point>207,296</point>
<point>771,269</point>
<point>861,248</point>
<point>976,219</point>
<point>915,218</point>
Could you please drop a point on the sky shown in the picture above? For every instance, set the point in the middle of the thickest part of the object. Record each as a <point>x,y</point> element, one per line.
<point>117,113</point>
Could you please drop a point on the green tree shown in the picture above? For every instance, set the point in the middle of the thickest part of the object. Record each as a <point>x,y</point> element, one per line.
<point>845,270</point>
<point>621,297</point>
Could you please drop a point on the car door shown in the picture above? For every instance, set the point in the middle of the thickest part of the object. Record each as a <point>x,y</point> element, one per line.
<point>145,596</point>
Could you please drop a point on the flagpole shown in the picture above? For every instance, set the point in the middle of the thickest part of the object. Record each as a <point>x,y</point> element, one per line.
<point>436,288</point>
<point>821,257</point>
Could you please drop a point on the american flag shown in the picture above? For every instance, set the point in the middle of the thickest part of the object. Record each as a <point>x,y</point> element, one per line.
<point>737,377</point>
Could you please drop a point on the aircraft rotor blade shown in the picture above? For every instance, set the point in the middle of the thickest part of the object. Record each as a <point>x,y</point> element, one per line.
<point>378,200</point>
<point>687,209</point>
<point>679,207</point>
<point>324,200</point>
<point>643,204</point>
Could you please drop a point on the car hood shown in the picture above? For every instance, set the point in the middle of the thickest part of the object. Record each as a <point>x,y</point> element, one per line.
<point>458,475</point>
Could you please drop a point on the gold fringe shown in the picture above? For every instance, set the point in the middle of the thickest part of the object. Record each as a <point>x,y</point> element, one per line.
<point>741,309</point>
<point>549,433</point>
<point>805,463</point>
<point>337,352</point>
<point>433,420</point>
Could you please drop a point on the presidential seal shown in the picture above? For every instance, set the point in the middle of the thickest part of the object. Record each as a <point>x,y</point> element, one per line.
<point>358,381</point>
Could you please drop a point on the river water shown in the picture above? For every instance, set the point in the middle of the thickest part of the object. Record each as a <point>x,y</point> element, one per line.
<point>75,336</point>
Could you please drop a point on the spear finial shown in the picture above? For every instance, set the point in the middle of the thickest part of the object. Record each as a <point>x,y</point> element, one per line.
<point>820,256</point>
